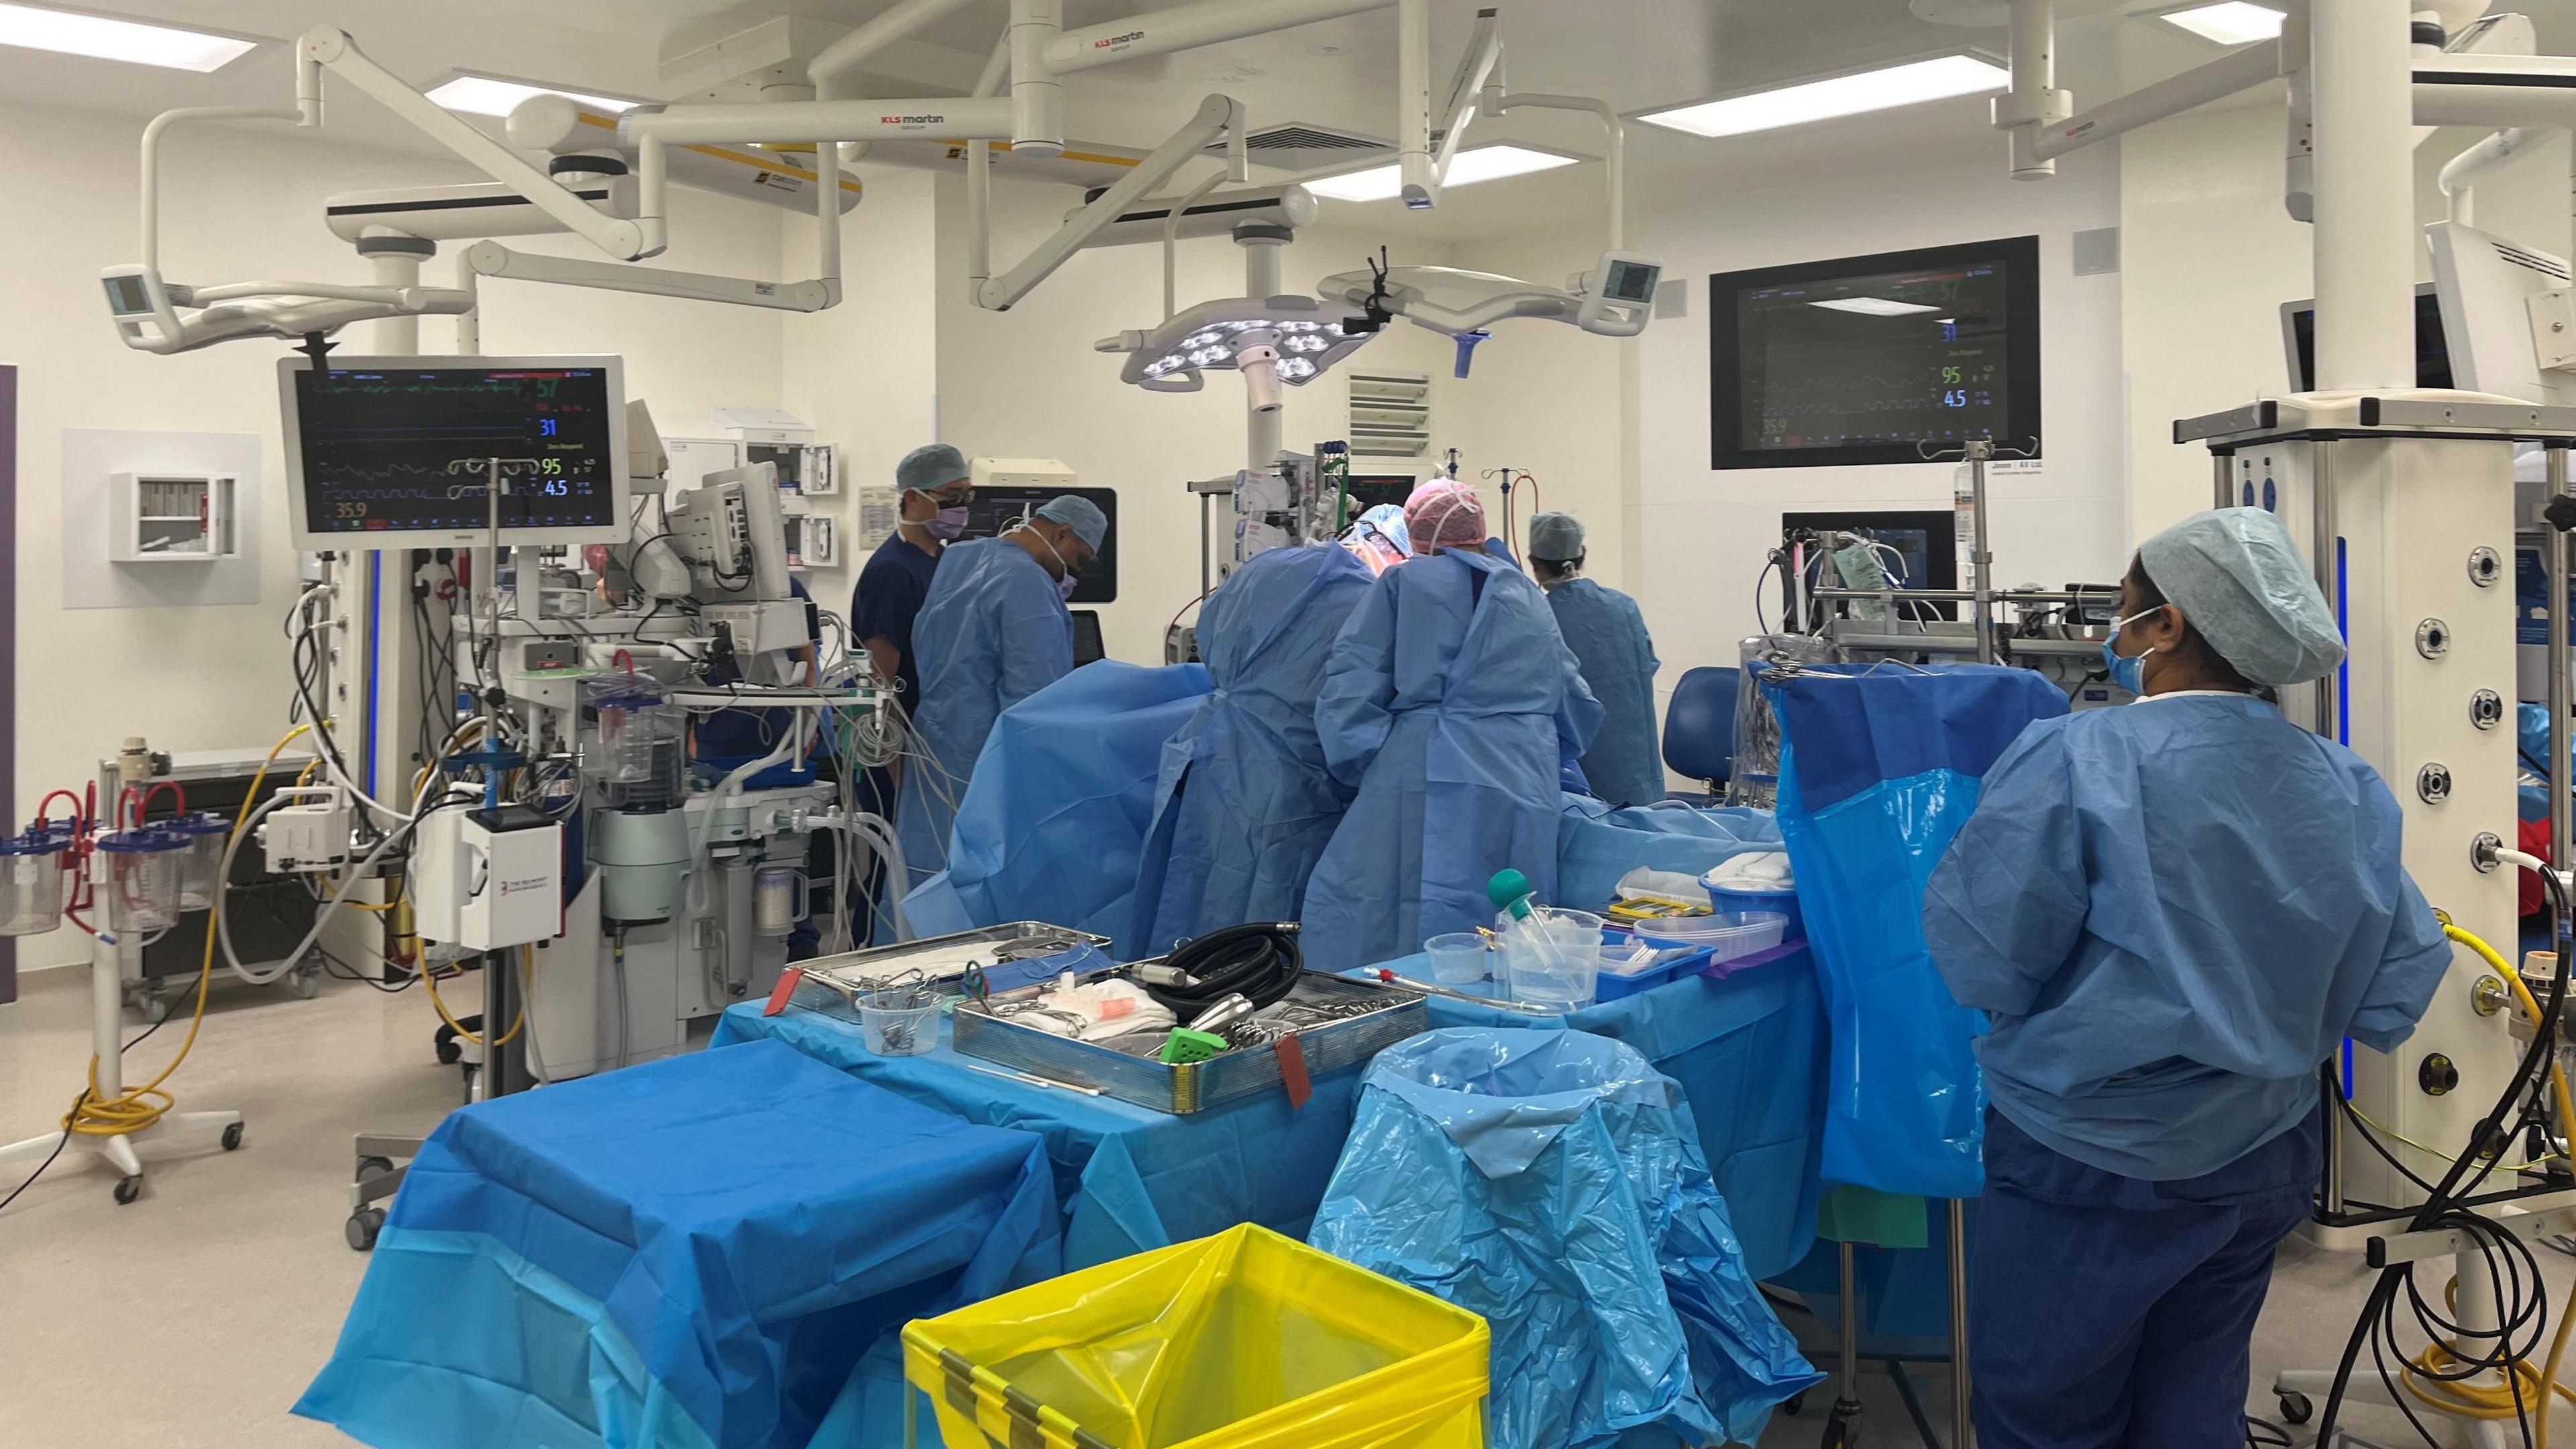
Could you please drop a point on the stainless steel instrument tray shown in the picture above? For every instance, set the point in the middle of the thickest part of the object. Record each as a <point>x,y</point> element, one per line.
<point>941,958</point>
<point>1126,1067</point>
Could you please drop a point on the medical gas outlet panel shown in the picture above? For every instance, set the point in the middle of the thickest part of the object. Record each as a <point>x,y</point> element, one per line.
<point>2408,534</point>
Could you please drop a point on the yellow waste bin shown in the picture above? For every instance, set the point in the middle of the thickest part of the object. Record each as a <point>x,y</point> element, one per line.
<point>1245,1340</point>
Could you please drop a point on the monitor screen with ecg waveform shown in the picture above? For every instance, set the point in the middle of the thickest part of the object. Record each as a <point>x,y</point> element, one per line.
<point>1877,359</point>
<point>386,447</point>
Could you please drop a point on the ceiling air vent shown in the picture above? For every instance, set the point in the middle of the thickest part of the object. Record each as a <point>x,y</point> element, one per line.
<point>1299,147</point>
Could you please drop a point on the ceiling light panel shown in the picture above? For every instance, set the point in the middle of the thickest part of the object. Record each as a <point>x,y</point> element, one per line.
<point>1484,163</point>
<point>1938,79</point>
<point>2231,23</point>
<point>104,38</point>
<point>478,95</point>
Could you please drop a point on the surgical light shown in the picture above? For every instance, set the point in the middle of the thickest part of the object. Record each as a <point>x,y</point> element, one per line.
<point>1937,79</point>
<point>483,95</point>
<point>1484,163</point>
<point>1873,306</point>
<point>2233,22</point>
<point>1288,339</point>
<point>103,38</point>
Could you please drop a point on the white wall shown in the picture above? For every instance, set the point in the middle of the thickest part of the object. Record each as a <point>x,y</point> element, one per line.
<point>1924,177</point>
<point>2208,255</point>
<point>241,202</point>
<point>865,373</point>
<point>1548,398</point>
<point>1025,383</point>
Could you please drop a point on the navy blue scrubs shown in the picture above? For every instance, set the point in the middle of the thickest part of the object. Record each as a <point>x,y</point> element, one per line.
<point>2113,1311</point>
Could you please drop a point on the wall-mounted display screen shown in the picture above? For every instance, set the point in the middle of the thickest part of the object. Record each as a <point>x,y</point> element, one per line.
<point>1875,359</point>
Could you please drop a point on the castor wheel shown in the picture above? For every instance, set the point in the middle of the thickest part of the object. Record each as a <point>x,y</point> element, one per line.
<point>362,1227</point>
<point>306,981</point>
<point>1842,1427</point>
<point>374,1167</point>
<point>1794,1403</point>
<point>450,1050</point>
<point>128,1189</point>
<point>232,1137</point>
<point>2297,1409</point>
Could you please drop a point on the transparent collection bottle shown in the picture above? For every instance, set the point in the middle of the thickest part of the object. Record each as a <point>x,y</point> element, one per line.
<point>639,754</point>
<point>144,868</point>
<point>31,882</point>
<point>206,833</point>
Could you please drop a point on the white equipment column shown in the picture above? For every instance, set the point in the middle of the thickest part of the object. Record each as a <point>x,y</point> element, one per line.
<point>2365,238</point>
<point>1261,246</point>
<point>385,659</point>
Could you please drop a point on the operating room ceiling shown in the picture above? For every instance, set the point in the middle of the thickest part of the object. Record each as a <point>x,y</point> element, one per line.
<point>1638,54</point>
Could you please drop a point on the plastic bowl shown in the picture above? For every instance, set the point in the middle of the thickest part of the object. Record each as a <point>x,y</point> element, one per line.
<point>1553,960</point>
<point>896,1030</point>
<point>1728,934</point>
<point>1457,958</point>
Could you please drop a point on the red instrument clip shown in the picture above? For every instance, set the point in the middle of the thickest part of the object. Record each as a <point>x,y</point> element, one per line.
<point>786,987</point>
<point>1292,1071</point>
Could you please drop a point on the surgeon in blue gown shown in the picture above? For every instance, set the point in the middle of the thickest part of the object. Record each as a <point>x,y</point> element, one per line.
<point>1603,627</point>
<point>2173,914</point>
<point>1448,703</point>
<point>1246,802</point>
<point>993,631</point>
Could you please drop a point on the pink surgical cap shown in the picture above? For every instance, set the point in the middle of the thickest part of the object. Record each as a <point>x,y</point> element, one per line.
<point>1444,513</point>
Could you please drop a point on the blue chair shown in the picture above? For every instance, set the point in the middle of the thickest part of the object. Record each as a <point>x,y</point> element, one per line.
<point>1699,726</point>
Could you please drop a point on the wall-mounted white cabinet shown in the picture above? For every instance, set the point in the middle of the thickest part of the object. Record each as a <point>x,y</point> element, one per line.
<point>164,518</point>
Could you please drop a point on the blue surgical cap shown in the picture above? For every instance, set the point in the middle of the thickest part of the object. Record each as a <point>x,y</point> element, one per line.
<point>1556,538</point>
<point>1081,515</point>
<point>2240,581</point>
<point>932,465</point>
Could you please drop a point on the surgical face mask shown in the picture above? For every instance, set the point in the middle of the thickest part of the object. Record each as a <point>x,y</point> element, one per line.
<point>2127,671</point>
<point>1067,581</point>
<point>947,524</point>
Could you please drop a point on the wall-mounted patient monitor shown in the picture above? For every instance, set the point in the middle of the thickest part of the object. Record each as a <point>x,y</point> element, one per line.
<point>395,452</point>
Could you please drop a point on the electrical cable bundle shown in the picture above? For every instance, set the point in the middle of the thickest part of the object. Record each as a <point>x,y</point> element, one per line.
<point>2444,1374</point>
<point>1258,959</point>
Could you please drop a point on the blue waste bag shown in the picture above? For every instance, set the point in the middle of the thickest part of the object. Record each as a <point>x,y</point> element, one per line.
<point>1052,827</point>
<point>1596,844</point>
<point>1553,1181</point>
<point>1879,767</point>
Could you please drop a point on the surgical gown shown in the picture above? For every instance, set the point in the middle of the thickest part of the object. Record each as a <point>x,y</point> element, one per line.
<point>1245,802</point>
<point>2173,912</point>
<point>1608,636</point>
<point>1447,702</point>
<point>993,632</point>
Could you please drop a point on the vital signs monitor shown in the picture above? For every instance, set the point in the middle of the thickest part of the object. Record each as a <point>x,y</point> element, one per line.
<point>395,452</point>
